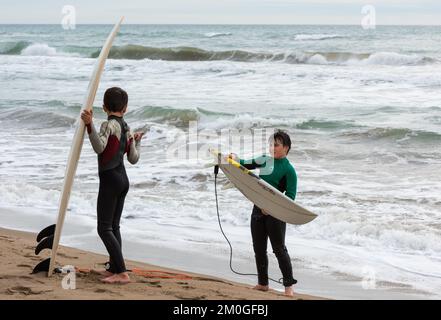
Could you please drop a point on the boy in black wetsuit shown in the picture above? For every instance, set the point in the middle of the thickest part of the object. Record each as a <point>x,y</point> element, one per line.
<point>278,172</point>
<point>111,143</point>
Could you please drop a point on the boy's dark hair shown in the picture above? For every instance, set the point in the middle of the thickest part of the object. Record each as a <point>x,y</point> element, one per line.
<point>282,137</point>
<point>115,99</point>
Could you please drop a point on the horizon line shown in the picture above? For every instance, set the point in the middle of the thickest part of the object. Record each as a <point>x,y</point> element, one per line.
<point>234,24</point>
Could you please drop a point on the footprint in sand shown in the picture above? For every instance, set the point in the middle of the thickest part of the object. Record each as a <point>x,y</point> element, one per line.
<point>212,280</point>
<point>5,238</point>
<point>67,256</point>
<point>103,291</point>
<point>156,284</point>
<point>100,290</point>
<point>191,298</point>
<point>8,277</point>
<point>25,290</point>
<point>185,285</point>
<point>222,295</point>
<point>188,287</point>
<point>32,257</point>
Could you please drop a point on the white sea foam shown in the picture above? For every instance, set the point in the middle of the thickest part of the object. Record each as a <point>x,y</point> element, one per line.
<point>392,59</point>
<point>306,37</point>
<point>378,58</point>
<point>42,49</point>
<point>39,49</point>
<point>217,34</point>
<point>317,59</point>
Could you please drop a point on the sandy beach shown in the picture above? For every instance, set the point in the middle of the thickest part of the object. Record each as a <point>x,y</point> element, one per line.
<point>17,260</point>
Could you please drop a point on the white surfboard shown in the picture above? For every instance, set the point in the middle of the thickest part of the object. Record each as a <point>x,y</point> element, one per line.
<point>261,193</point>
<point>77,142</point>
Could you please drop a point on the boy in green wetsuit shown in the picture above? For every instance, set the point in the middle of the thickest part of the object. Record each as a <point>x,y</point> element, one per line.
<point>278,172</point>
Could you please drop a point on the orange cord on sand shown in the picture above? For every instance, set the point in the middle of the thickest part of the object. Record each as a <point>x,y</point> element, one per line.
<point>148,273</point>
<point>160,274</point>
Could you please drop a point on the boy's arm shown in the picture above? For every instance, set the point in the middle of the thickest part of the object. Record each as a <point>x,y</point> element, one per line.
<point>253,163</point>
<point>134,150</point>
<point>99,140</point>
<point>291,183</point>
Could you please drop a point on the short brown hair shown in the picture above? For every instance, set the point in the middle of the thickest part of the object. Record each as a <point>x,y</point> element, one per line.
<point>283,137</point>
<point>115,99</point>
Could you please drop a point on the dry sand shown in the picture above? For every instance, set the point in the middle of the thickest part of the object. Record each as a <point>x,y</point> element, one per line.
<point>17,259</point>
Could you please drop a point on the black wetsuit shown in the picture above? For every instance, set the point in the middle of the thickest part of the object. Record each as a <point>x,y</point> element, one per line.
<point>114,185</point>
<point>264,227</point>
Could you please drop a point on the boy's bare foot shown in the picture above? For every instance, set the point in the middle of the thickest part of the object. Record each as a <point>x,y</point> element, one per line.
<point>120,278</point>
<point>261,288</point>
<point>106,273</point>
<point>103,273</point>
<point>289,291</point>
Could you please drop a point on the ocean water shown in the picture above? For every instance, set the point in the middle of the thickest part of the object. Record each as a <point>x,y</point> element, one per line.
<point>363,108</point>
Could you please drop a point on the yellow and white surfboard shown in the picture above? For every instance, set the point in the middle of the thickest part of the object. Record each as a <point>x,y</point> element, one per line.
<point>261,193</point>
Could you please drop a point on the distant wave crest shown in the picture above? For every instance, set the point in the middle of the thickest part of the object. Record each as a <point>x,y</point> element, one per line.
<point>308,37</point>
<point>139,52</point>
<point>26,48</point>
<point>395,134</point>
<point>217,34</point>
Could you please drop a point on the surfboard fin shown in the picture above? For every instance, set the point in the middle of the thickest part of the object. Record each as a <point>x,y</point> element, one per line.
<point>46,232</point>
<point>42,266</point>
<point>46,243</point>
<point>45,240</point>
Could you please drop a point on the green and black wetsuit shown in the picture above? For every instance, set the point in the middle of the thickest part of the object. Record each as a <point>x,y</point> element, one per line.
<point>280,174</point>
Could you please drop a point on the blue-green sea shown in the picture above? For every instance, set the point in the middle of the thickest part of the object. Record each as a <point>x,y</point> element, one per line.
<point>363,108</point>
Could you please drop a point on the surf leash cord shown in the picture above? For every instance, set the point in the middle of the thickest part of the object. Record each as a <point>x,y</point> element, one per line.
<point>216,171</point>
